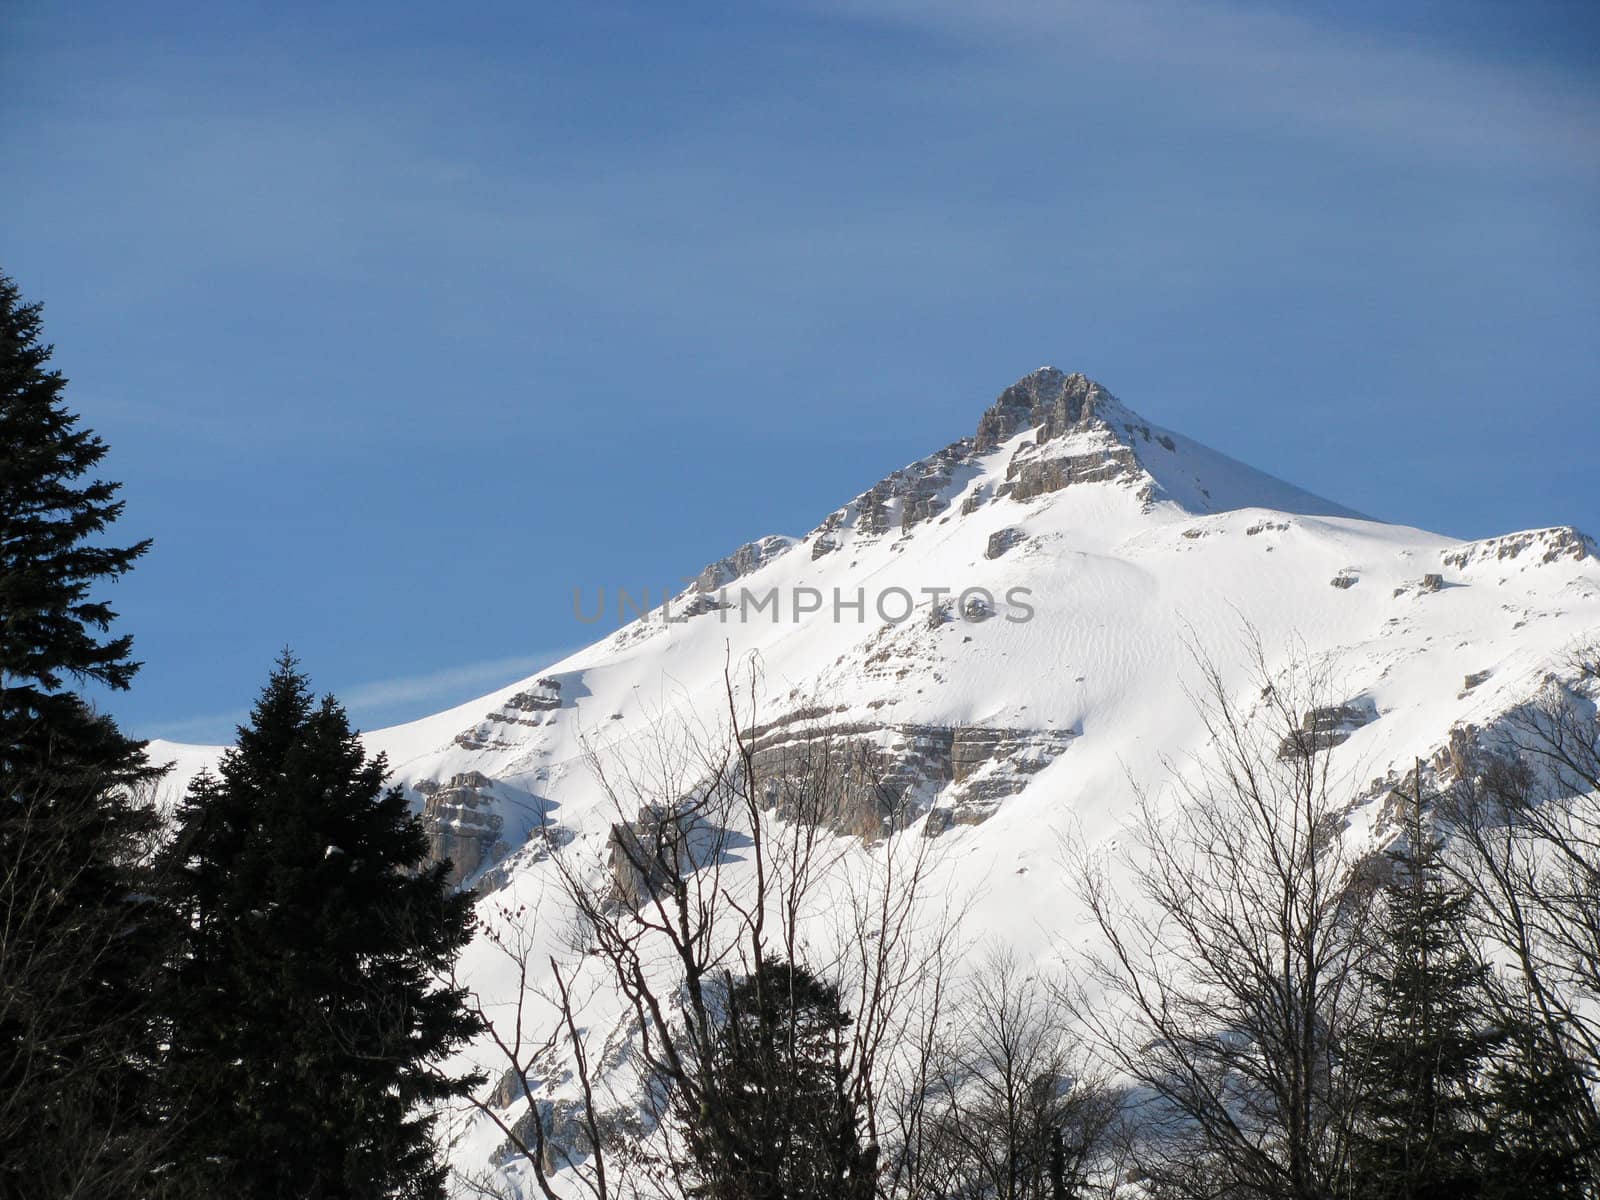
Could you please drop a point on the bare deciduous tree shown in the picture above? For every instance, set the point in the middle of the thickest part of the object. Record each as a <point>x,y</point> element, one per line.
<point>1015,1113</point>
<point>1524,816</point>
<point>725,855</point>
<point>1225,978</point>
<point>536,1027</point>
<point>79,1019</point>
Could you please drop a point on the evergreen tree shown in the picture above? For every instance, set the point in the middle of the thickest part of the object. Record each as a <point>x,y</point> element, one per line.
<point>1541,1146</point>
<point>1423,1127</point>
<point>313,1025</point>
<point>77,946</point>
<point>777,1121</point>
<point>52,628</point>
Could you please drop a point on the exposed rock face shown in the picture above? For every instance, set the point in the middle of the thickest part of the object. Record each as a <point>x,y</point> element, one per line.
<point>747,558</point>
<point>839,775</point>
<point>873,507</point>
<point>825,539</point>
<point>1460,753</point>
<point>1082,435</point>
<point>1056,405</point>
<point>1457,758</point>
<point>1538,545</point>
<point>535,706</point>
<point>461,823</point>
<point>1048,400</point>
<point>1039,468</point>
<point>883,776</point>
<point>699,603</point>
<point>543,840</point>
<point>648,855</point>
<point>1322,728</point>
<point>990,765</point>
<point>1426,585</point>
<point>1002,540</point>
<point>566,1133</point>
<point>922,498</point>
<point>911,494</point>
<point>543,696</point>
<point>1052,402</point>
<point>511,1088</point>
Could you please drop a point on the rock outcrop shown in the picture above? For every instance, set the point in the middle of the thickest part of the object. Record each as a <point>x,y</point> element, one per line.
<point>1540,546</point>
<point>532,707</point>
<point>565,1127</point>
<point>865,779</point>
<point>1048,400</point>
<point>1002,540</point>
<point>1075,440</point>
<point>647,856</point>
<point>1039,468</point>
<point>908,496</point>
<point>751,556</point>
<point>1323,728</point>
<point>461,823</point>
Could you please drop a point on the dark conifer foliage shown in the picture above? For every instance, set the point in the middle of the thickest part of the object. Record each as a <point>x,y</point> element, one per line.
<point>312,1020</point>
<point>778,1122</point>
<point>77,943</point>
<point>54,629</point>
<point>1431,1037</point>
<point>1540,1144</point>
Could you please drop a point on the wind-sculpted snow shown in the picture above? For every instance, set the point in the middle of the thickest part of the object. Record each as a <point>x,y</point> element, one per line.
<point>1005,630</point>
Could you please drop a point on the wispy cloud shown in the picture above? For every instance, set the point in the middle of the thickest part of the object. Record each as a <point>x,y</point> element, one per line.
<point>435,685</point>
<point>400,698</point>
<point>1277,63</point>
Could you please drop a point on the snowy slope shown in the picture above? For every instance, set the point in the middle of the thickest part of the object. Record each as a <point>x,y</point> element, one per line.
<point>1081,556</point>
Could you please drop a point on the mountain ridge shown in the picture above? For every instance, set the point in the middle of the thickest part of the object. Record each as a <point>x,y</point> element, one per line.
<point>1065,429</point>
<point>1047,439</point>
<point>1081,433</point>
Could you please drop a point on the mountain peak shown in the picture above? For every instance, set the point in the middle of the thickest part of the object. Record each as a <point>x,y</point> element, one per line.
<point>1083,439</point>
<point>1084,434</point>
<point>1047,398</point>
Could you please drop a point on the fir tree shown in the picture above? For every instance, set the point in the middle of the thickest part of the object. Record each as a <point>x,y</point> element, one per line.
<point>1540,1143</point>
<point>777,1121</point>
<point>51,629</point>
<point>1423,1127</point>
<point>77,946</point>
<point>314,1024</point>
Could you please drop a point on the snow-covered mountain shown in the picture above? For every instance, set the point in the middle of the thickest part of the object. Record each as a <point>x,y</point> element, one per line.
<point>1011,621</point>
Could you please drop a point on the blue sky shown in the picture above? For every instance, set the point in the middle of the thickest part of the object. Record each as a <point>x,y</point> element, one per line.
<point>402,322</point>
